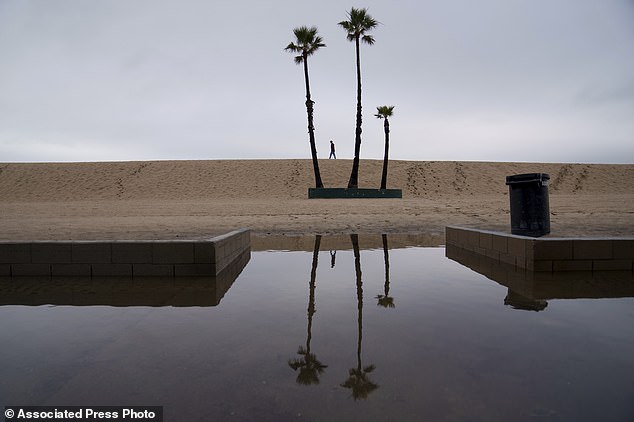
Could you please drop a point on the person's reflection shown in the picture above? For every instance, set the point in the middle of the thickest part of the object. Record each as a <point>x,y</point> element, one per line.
<point>310,368</point>
<point>358,380</point>
<point>333,255</point>
<point>385,300</point>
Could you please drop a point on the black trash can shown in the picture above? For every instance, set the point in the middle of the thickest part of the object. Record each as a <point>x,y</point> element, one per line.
<point>530,213</point>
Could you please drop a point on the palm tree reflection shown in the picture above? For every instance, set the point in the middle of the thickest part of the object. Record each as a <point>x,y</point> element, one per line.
<point>385,300</point>
<point>310,368</point>
<point>358,380</point>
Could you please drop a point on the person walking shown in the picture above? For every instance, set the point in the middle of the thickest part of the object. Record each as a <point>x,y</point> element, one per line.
<point>332,151</point>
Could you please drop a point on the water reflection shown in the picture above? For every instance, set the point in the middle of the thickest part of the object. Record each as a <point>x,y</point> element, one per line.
<point>342,242</point>
<point>385,300</point>
<point>122,291</point>
<point>310,368</point>
<point>449,351</point>
<point>517,301</point>
<point>531,291</point>
<point>358,380</point>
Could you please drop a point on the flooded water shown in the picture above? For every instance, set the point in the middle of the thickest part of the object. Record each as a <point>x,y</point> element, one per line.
<point>347,334</point>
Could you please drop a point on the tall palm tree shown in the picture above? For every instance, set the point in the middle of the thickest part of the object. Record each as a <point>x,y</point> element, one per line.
<point>306,43</point>
<point>310,368</point>
<point>383,112</point>
<point>358,23</point>
<point>358,380</point>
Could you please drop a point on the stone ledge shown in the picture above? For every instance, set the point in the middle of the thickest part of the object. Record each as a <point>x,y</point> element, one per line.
<point>160,258</point>
<point>546,254</point>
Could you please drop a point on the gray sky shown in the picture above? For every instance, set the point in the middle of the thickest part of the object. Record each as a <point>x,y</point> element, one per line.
<point>486,80</point>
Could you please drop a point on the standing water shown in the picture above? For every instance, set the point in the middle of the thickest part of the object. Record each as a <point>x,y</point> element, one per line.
<point>331,333</point>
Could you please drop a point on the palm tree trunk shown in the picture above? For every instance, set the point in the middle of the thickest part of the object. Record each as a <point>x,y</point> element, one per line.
<point>311,127</point>
<point>386,263</point>
<point>386,126</point>
<point>357,267</point>
<point>311,295</point>
<point>354,175</point>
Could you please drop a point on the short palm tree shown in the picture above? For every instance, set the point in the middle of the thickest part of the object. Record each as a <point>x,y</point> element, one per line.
<point>306,43</point>
<point>385,300</point>
<point>358,23</point>
<point>383,112</point>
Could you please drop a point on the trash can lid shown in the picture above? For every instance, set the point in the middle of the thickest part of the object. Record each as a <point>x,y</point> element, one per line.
<point>527,178</point>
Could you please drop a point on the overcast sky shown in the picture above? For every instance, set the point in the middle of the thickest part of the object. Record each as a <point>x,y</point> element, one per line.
<point>486,80</point>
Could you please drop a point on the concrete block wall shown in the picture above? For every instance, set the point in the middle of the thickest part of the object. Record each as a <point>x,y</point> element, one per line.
<point>181,258</point>
<point>546,254</point>
<point>122,291</point>
<point>228,247</point>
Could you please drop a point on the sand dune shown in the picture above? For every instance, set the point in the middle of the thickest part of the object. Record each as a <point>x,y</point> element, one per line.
<point>286,179</point>
<point>168,199</point>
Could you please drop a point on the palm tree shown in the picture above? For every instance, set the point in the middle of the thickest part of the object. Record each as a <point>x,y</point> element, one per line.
<point>385,300</point>
<point>306,43</point>
<point>358,23</point>
<point>383,112</point>
<point>358,380</point>
<point>310,368</point>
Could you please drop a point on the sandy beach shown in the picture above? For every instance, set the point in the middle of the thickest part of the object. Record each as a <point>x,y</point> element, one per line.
<point>197,199</point>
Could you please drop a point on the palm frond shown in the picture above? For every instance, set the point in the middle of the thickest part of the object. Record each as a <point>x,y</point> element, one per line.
<point>369,22</point>
<point>292,48</point>
<point>346,25</point>
<point>359,383</point>
<point>384,111</point>
<point>306,42</point>
<point>295,364</point>
<point>368,39</point>
<point>309,367</point>
<point>385,301</point>
<point>369,368</point>
<point>359,21</point>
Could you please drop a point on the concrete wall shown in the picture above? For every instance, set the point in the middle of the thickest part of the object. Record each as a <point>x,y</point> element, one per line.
<point>546,254</point>
<point>184,258</point>
<point>122,291</point>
